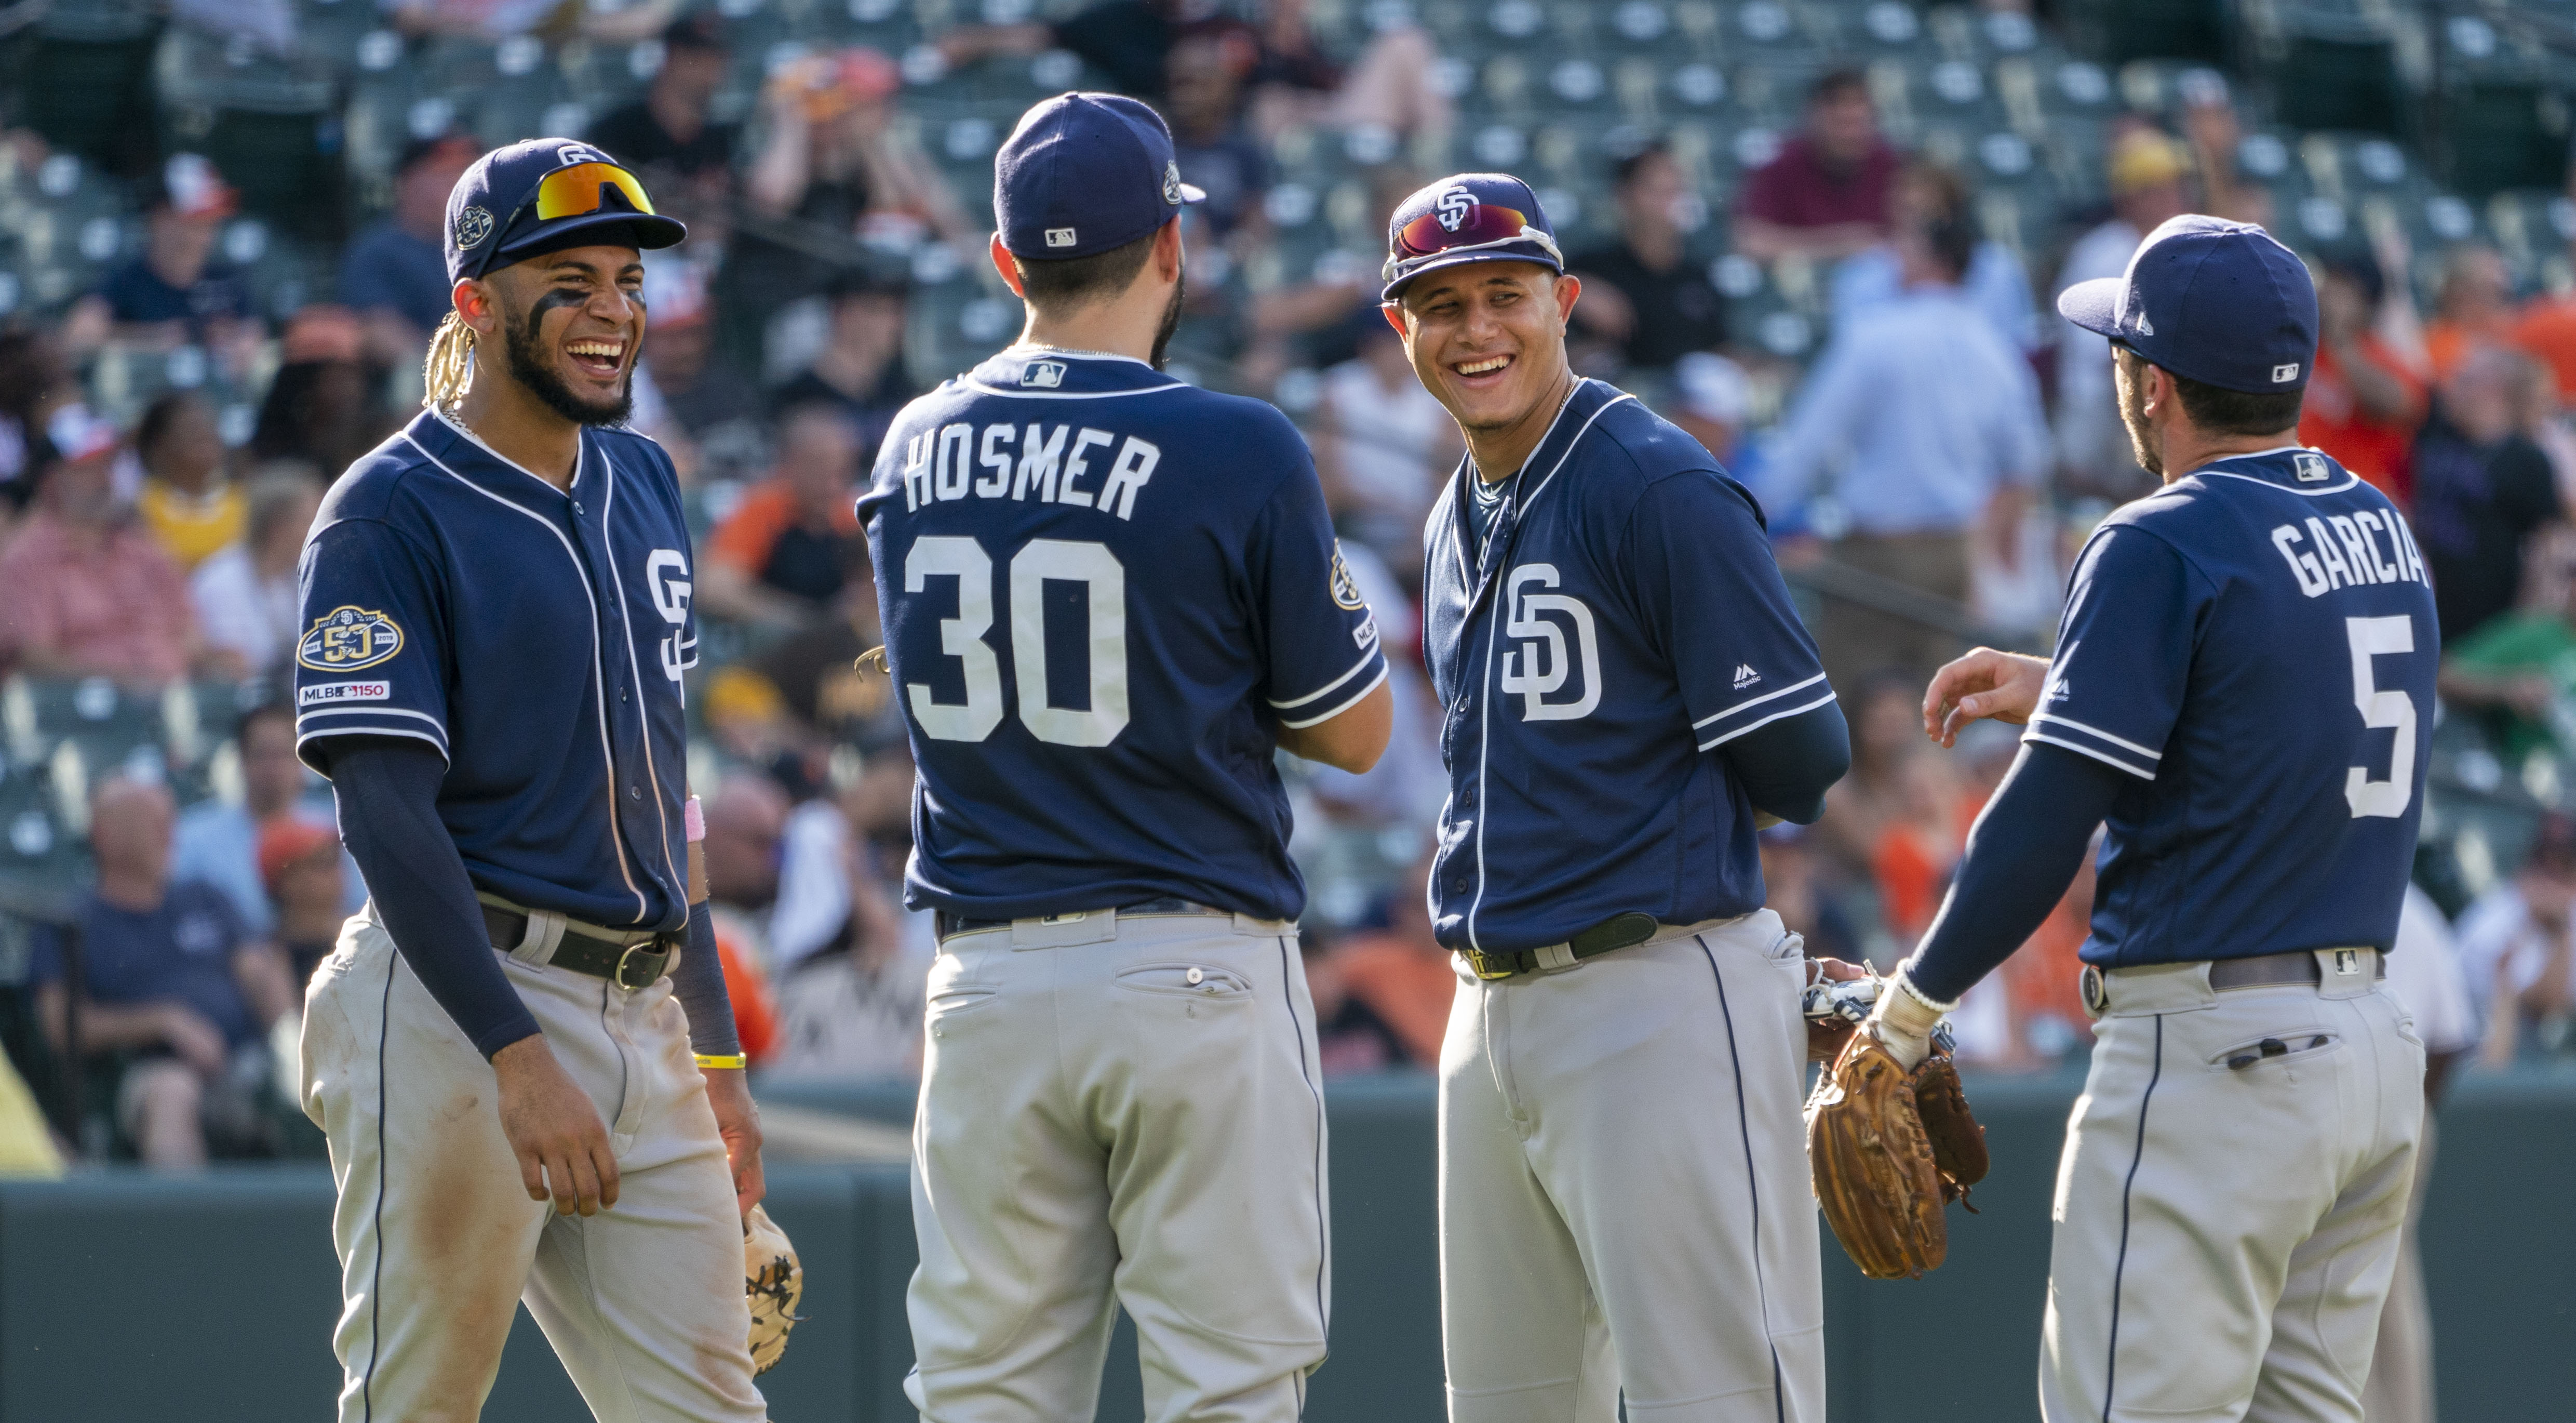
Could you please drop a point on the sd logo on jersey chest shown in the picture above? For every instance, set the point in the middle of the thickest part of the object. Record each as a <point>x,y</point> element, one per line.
<point>347,639</point>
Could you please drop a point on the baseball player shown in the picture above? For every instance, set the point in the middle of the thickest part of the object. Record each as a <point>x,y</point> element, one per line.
<point>2243,690</point>
<point>1109,599</point>
<point>1623,1194</point>
<point>496,603</point>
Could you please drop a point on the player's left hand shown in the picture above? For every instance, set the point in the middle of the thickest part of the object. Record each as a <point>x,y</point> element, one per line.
<point>1826,1035</point>
<point>738,1122</point>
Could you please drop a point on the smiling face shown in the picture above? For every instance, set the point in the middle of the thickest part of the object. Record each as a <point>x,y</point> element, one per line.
<point>1488,339</point>
<point>571,324</point>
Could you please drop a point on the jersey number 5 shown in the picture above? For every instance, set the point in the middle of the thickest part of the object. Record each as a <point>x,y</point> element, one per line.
<point>1038,563</point>
<point>2381,707</point>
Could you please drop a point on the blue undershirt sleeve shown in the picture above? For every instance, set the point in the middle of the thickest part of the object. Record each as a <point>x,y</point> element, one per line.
<point>2022,853</point>
<point>1786,766</point>
<point>699,984</point>
<point>387,791</point>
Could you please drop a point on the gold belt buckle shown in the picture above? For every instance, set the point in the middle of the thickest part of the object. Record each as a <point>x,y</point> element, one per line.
<point>1484,966</point>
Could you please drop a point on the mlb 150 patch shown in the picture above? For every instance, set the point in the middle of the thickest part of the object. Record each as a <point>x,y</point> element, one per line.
<point>349,639</point>
<point>322,694</point>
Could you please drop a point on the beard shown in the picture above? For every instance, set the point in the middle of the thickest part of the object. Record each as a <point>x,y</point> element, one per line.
<point>528,366</point>
<point>1170,323</point>
<point>2133,414</point>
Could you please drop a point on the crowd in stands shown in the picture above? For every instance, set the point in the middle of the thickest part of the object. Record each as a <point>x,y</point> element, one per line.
<point>1927,476</point>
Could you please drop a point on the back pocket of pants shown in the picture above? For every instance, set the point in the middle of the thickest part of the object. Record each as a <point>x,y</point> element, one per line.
<point>1199,982</point>
<point>2288,1047</point>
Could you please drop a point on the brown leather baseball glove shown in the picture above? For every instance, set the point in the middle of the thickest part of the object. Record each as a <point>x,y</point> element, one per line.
<point>775,1282</point>
<point>1889,1149</point>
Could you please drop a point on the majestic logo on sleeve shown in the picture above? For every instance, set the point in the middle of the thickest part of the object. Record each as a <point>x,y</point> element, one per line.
<point>1453,208</point>
<point>1346,589</point>
<point>349,639</point>
<point>1540,663</point>
<point>666,573</point>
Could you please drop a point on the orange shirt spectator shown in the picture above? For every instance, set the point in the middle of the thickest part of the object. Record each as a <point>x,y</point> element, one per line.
<point>789,547</point>
<point>755,1008</point>
<point>1917,848</point>
<point>2475,308</point>
<point>2332,419</point>
<point>2547,329</point>
<point>1407,982</point>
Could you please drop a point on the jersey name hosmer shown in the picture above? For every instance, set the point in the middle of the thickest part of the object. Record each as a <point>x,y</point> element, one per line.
<point>1041,461</point>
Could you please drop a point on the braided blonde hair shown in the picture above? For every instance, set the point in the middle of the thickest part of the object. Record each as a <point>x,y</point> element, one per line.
<point>449,371</point>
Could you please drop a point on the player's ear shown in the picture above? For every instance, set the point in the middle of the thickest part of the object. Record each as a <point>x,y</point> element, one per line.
<point>1394,314</point>
<point>1568,288</point>
<point>1167,250</point>
<point>1002,263</point>
<point>476,305</point>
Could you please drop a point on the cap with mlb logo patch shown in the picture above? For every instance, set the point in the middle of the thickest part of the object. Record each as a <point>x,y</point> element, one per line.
<point>1085,174</point>
<point>2219,302</point>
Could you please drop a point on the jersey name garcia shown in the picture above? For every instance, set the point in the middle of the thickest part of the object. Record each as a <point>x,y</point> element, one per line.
<point>2255,645</point>
<point>1625,620</point>
<point>536,637</point>
<point>1103,592</point>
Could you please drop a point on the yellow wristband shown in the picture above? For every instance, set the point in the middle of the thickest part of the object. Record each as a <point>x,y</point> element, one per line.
<point>731,1059</point>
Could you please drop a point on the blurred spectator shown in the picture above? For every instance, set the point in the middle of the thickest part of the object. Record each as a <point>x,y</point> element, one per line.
<point>817,679</point>
<point>299,866</point>
<point>2481,490</point>
<point>672,126</point>
<point>218,842</point>
<point>702,408</point>
<point>2424,973</point>
<point>1321,319</point>
<point>1886,735</point>
<point>2041,980</point>
<point>1130,42</point>
<point>27,1149</point>
<point>792,544</point>
<point>1795,886</point>
<point>2540,419</point>
<point>552,19</point>
<point>1712,399</point>
<point>860,369</point>
<point>1642,294</point>
<point>834,169</point>
<point>2546,328</point>
<point>1826,195</point>
<point>1350,1038</point>
<point>1383,447</point>
<point>169,975</point>
<point>745,818</point>
<point>322,408</point>
<point>35,380</point>
<point>2473,309</point>
<point>176,291</point>
<point>1939,424</point>
<point>2363,401</point>
<point>853,1006</point>
<point>1995,282</point>
<point>267,24</point>
<point>186,501</point>
<point>1205,111</point>
<point>2516,952</point>
<point>245,593</point>
<point>1401,972</point>
<point>91,594</point>
<point>1922,829</point>
<point>394,274</point>
<point>2147,169</point>
<point>2521,668</point>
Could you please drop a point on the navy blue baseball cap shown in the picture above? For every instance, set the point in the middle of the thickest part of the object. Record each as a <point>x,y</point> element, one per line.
<point>1468,217</point>
<point>1085,173</point>
<point>2220,302</point>
<point>542,195</point>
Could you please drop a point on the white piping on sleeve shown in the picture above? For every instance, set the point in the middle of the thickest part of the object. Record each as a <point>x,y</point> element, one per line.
<point>1726,737</point>
<point>1356,669</point>
<point>1751,702</point>
<point>2105,757</point>
<point>2120,741</point>
<point>1355,698</point>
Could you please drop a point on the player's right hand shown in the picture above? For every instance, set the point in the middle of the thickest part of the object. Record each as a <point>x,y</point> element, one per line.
<point>1985,683</point>
<point>554,1130</point>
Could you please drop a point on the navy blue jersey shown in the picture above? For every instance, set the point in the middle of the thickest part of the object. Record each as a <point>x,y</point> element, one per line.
<point>2255,644</point>
<point>536,638</point>
<point>1625,621</point>
<point>1103,591</point>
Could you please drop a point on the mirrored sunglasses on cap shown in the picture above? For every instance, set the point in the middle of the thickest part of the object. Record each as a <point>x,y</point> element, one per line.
<point>1486,226</point>
<point>577,191</point>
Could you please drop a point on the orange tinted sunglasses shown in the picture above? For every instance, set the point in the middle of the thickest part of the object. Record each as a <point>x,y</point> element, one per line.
<point>577,191</point>
<point>1484,223</point>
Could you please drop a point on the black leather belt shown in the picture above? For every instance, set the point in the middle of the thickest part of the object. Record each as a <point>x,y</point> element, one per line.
<point>626,965</point>
<point>1619,931</point>
<point>949,924</point>
<point>2295,966</point>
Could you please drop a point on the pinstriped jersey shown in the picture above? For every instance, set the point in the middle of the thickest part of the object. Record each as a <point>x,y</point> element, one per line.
<point>1104,592</point>
<point>536,637</point>
<point>2254,648</point>
<point>1622,620</point>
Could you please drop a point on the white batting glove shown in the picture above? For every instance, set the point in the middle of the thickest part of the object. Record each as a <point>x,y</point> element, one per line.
<point>1904,1019</point>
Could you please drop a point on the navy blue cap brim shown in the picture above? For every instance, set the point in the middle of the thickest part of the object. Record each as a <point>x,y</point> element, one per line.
<point>2096,305</point>
<point>651,231</point>
<point>1394,290</point>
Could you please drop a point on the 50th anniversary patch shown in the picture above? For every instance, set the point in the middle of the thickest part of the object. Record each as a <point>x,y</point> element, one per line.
<point>349,639</point>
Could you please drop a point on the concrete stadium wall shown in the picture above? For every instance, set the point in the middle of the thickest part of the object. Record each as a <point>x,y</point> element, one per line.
<point>128,1297</point>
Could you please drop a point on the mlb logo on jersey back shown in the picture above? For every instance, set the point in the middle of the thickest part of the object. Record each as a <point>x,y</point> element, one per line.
<point>2311,467</point>
<point>1046,375</point>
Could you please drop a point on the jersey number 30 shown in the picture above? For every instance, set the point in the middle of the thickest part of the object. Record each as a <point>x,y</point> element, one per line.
<point>1038,563</point>
<point>2381,707</point>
